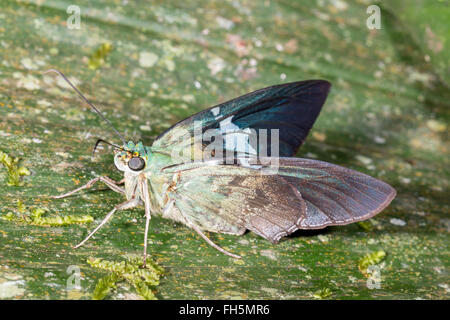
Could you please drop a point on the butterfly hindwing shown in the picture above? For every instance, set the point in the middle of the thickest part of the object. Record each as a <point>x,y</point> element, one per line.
<point>334,195</point>
<point>305,194</point>
<point>291,108</point>
<point>216,196</point>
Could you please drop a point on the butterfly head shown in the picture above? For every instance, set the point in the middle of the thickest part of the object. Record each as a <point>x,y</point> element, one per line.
<point>132,157</point>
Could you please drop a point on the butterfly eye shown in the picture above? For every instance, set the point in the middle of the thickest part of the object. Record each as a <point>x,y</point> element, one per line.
<point>136,164</point>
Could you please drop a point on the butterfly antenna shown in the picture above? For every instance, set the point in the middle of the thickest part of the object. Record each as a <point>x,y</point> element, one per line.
<point>87,101</point>
<point>104,141</point>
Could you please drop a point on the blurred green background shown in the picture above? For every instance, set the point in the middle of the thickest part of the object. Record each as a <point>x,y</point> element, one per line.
<point>148,64</point>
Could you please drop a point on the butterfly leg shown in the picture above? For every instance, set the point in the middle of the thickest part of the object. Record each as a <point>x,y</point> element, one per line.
<point>133,202</point>
<point>197,229</point>
<point>146,197</point>
<point>113,185</point>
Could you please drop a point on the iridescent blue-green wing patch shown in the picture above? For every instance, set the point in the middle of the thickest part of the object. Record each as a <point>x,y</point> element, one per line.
<point>305,194</point>
<point>292,108</point>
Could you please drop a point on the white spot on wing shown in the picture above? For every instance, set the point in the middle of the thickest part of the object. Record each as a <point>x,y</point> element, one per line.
<point>215,111</point>
<point>227,126</point>
<point>236,139</point>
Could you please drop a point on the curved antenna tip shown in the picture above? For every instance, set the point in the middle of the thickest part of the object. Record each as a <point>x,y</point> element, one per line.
<point>51,70</point>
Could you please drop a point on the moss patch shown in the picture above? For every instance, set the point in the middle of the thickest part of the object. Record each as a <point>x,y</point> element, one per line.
<point>144,280</point>
<point>14,171</point>
<point>36,216</point>
<point>370,259</point>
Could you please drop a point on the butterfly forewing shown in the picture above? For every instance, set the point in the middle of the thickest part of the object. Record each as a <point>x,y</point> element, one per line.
<point>291,108</point>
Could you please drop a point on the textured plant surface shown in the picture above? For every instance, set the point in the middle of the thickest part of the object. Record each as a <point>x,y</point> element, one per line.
<point>148,64</point>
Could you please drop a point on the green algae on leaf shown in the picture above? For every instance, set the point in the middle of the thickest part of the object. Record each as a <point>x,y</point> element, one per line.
<point>36,217</point>
<point>131,271</point>
<point>21,208</point>
<point>56,221</point>
<point>322,293</point>
<point>13,170</point>
<point>9,216</point>
<point>104,286</point>
<point>98,58</point>
<point>365,225</point>
<point>370,259</point>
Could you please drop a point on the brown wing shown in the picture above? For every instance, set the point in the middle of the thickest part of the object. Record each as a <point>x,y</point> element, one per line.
<point>217,196</point>
<point>334,195</point>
